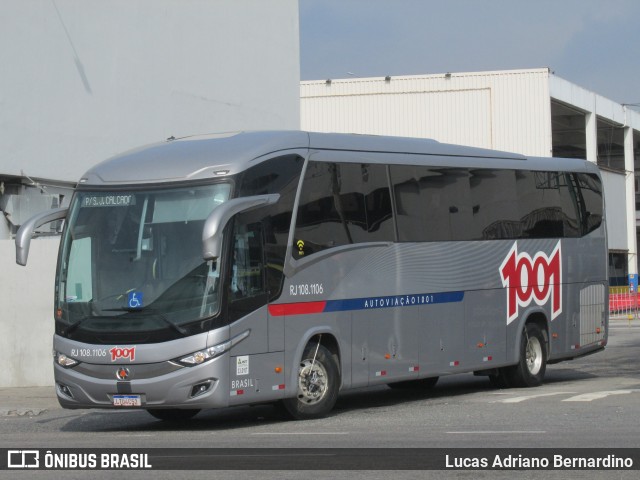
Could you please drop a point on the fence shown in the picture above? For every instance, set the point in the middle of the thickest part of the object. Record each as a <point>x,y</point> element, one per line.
<point>623,303</point>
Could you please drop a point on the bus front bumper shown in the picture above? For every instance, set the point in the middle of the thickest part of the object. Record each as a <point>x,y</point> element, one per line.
<point>161,385</point>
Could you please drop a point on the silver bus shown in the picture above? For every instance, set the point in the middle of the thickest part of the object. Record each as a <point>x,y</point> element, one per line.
<point>256,267</point>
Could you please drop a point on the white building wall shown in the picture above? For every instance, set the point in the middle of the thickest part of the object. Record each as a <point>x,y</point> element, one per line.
<point>614,184</point>
<point>501,110</point>
<point>26,325</point>
<point>84,80</point>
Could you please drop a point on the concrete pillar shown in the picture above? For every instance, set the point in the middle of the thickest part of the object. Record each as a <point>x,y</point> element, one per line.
<point>591,126</point>
<point>630,194</point>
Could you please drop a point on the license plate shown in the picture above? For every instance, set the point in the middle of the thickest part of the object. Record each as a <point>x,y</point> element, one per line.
<point>127,401</point>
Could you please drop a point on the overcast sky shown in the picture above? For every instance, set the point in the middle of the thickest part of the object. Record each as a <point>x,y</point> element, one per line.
<point>593,43</point>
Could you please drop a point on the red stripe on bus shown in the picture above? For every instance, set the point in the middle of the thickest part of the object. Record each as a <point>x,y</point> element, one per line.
<point>301,308</point>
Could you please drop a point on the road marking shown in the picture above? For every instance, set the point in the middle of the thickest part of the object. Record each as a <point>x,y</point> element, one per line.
<point>499,432</point>
<point>530,397</point>
<point>300,433</point>
<point>588,397</point>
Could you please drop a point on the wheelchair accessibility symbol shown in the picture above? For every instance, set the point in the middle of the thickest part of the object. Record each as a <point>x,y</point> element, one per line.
<point>134,300</point>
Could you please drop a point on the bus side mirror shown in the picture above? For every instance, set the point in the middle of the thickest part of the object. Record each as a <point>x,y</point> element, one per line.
<point>220,216</point>
<point>23,237</point>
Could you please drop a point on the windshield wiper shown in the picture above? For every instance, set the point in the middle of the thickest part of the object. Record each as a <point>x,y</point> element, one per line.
<point>148,310</point>
<point>74,326</point>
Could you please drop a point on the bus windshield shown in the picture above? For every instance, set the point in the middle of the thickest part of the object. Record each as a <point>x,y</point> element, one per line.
<point>131,261</point>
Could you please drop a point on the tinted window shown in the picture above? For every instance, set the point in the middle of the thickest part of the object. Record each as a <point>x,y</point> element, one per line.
<point>494,200</point>
<point>432,204</point>
<point>247,278</point>
<point>547,205</point>
<point>349,203</point>
<point>278,175</point>
<point>589,195</point>
<point>367,187</point>
<point>340,204</point>
<point>511,204</point>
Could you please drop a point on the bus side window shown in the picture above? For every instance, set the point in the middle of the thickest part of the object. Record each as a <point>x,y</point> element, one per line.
<point>432,204</point>
<point>277,175</point>
<point>340,204</point>
<point>246,284</point>
<point>247,267</point>
<point>589,192</point>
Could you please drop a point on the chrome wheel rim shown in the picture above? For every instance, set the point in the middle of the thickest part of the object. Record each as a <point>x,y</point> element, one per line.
<point>534,355</point>
<point>312,382</point>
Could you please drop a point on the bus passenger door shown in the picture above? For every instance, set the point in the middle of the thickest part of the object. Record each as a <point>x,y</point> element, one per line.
<point>255,374</point>
<point>246,288</point>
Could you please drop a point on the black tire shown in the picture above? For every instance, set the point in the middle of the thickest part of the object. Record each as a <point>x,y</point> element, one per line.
<point>173,414</point>
<point>530,370</point>
<point>421,384</point>
<point>318,384</point>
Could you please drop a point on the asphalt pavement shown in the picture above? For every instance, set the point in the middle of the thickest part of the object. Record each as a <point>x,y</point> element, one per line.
<point>27,401</point>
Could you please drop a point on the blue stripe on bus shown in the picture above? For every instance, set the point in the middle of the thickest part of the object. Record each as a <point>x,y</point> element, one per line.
<point>393,301</point>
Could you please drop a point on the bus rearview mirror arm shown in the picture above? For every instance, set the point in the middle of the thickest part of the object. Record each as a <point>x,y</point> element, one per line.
<point>220,216</point>
<point>23,237</point>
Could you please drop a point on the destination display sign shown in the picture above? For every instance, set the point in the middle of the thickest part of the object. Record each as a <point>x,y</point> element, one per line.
<point>108,200</point>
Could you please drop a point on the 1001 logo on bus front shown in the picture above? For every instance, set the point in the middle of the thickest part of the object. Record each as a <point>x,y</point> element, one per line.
<point>535,279</point>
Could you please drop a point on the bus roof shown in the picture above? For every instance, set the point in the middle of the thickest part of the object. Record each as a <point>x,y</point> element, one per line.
<point>217,155</point>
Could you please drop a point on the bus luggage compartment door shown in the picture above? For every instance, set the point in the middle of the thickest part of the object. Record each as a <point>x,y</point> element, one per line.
<point>256,378</point>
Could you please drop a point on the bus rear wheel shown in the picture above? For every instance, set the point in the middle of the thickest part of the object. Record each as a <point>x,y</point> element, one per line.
<point>318,383</point>
<point>173,414</point>
<point>530,370</point>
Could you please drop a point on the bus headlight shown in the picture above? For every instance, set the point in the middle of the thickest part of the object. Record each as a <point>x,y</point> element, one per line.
<point>202,356</point>
<point>64,361</point>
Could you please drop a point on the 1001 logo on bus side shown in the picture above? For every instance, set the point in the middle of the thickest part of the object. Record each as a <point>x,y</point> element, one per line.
<point>529,279</point>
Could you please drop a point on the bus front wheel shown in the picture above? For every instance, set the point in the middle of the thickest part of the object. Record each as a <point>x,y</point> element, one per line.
<point>318,382</point>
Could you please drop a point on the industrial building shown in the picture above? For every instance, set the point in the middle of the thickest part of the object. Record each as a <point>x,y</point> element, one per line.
<point>532,112</point>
